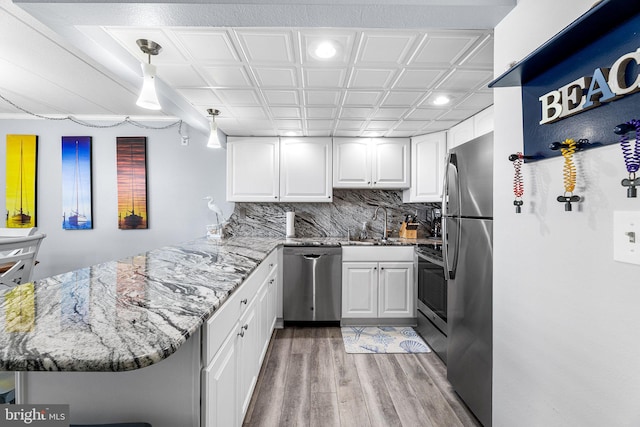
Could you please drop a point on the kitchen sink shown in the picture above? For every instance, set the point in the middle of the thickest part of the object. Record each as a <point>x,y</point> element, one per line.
<point>367,242</point>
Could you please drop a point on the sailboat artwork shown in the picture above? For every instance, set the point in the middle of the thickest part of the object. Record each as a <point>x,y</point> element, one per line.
<point>131,160</point>
<point>76,183</point>
<point>22,154</point>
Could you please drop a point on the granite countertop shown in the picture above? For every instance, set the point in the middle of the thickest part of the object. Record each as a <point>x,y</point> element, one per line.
<point>131,313</point>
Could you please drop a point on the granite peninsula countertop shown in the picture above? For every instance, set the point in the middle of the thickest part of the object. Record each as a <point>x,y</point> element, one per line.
<point>131,313</point>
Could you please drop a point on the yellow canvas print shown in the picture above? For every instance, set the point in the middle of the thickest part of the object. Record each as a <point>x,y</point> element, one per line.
<point>21,181</point>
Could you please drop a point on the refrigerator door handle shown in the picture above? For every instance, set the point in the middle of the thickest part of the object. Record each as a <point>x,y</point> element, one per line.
<point>453,267</point>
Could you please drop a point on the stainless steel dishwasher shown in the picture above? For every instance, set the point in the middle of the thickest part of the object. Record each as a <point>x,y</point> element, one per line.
<point>312,283</point>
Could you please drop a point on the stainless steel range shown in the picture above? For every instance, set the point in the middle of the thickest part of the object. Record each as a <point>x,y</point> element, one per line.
<point>432,299</point>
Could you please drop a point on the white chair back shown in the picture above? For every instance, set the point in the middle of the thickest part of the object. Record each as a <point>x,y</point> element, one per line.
<point>17,259</point>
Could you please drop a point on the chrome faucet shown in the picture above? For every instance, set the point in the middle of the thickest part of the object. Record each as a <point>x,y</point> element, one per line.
<point>375,216</point>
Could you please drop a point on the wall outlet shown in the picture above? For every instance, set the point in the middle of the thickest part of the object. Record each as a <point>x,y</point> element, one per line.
<point>185,141</point>
<point>626,237</point>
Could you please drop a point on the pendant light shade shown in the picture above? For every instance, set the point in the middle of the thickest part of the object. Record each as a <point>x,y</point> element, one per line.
<point>214,141</point>
<point>148,97</point>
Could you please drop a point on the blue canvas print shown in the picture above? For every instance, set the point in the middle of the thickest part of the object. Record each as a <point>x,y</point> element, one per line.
<point>76,183</point>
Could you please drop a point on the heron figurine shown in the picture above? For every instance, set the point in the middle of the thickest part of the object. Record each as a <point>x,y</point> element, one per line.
<point>215,209</point>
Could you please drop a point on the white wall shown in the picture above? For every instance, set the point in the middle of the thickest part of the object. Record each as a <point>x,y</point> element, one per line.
<point>566,316</point>
<point>178,179</point>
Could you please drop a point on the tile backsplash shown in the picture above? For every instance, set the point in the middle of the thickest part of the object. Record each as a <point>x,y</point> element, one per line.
<point>349,209</point>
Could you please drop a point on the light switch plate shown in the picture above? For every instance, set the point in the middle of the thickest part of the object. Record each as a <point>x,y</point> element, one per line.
<point>626,236</point>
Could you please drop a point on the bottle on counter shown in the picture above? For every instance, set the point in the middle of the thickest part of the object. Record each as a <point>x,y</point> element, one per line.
<point>364,232</point>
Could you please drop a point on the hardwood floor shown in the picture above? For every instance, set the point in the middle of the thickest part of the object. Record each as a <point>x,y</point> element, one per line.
<point>309,380</point>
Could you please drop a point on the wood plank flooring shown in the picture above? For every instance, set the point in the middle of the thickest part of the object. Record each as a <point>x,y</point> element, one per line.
<point>308,380</point>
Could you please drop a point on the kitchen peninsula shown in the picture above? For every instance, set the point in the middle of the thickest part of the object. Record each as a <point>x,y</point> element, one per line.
<point>114,318</point>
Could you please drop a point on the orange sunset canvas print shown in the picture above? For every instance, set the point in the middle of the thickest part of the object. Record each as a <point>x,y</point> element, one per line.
<point>21,181</point>
<point>131,159</point>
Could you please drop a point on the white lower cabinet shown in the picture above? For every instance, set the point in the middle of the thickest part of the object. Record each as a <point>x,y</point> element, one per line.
<point>232,371</point>
<point>378,283</point>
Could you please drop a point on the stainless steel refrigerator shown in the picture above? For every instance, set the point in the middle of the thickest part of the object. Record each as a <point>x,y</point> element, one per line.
<point>468,254</point>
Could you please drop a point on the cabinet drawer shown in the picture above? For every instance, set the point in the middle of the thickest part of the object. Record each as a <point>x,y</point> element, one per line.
<point>378,253</point>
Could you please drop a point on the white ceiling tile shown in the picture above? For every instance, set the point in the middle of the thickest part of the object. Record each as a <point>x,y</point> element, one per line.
<point>355,113</point>
<point>227,76</point>
<point>201,97</point>
<point>180,76</point>
<point>389,113</point>
<point>286,112</point>
<point>443,48</point>
<point>439,125</point>
<point>362,97</point>
<point>321,112</point>
<point>322,97</point>
<point>385,47</point>
<point>350,124</point>
<point>465,80</point>
<point>242,113</point>
<point>207,45</point>
<point>239,96</point>
<point>380,124</point>
<point>267,46</point>
<point>371,78</point>
<point>342,40</point>
<point>276,77</point>
<point>457,114</point>
<point>418,79</point>
<point>477,101</point>
<point>324,77</point>
<point>400,134</point>
<point>481,55</point>
<point>320,124</point>
<point>281,97</point>
<point>289,124</point>
<point>411,125</point>
<point>424,114</point>
<point>127,36</point>
<point>402,98</point>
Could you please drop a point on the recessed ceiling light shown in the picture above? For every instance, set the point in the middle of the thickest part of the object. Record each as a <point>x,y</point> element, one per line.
<point>441,100</point>
<point>325,49</point>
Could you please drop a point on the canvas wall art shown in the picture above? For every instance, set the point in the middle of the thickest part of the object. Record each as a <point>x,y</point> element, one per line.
<point>22,156</point>
<point>131,159</point>
<point>76,183</point>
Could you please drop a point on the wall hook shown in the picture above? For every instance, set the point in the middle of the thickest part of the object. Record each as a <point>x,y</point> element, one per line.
<point>581,144</point>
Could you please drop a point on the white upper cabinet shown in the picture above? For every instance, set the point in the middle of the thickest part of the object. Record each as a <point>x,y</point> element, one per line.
<point>305,170</point>
<point>428,156</point>
<point>471,128</point>
<point>390,162</point>
<point>253,173</point>
<point>351,163</point>
<point>371,163</point>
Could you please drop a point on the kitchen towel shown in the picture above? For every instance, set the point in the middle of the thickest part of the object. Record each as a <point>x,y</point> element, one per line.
<point>382,339</point>
<point>290,228</point>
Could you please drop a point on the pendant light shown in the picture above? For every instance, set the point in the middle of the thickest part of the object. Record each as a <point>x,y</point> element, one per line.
<point>148,98</point>
<point>214,141</point>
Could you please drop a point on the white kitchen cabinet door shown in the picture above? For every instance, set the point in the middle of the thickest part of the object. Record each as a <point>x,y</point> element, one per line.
<point>267,302</point>
<point>390,163</point>
<point>219,389</point>
<point>248,353</point>
<point>359,289</point>
<point>428,157</point>
<point>396,290</point>
<point>460,133</point>
<point>483,122</point>
<point>306,169</point>
<point>253,169</point>
<point>351,163</point>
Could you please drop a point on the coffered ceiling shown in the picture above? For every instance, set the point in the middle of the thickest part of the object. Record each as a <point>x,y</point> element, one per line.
<point>266,81</point>
<point>261,73</point>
